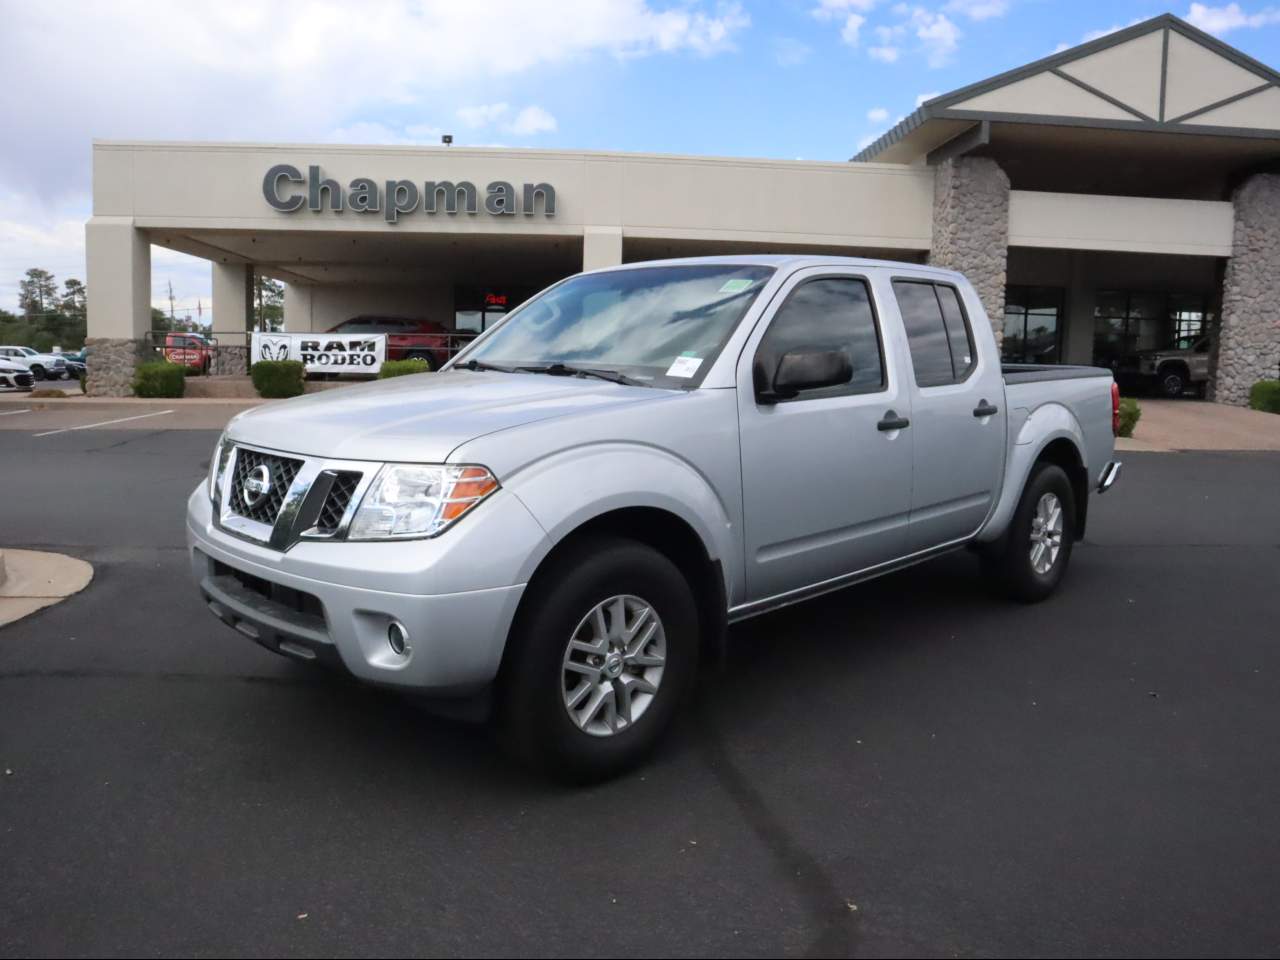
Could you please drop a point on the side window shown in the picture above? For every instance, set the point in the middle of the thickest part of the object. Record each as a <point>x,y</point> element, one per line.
<point>958,335</point>
<point>941,345</point>
<point>829,313</point>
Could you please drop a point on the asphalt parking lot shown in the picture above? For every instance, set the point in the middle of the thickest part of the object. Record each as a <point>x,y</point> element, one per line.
<point>909,767</point>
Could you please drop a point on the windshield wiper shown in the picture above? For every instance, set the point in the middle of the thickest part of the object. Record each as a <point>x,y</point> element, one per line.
<point>563,370</point>
<point>481,365</point>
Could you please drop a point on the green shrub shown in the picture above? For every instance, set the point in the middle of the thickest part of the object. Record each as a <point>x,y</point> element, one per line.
<point>1265,396</point>
<point>1130,414</point>
<point>159,379</point>
<point>399,368</point>
<point>274,379</point>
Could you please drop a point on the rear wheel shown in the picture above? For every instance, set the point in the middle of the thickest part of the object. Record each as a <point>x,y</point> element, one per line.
<point>603,651</point>
<point>1037,549</point>
<point>426,358</point>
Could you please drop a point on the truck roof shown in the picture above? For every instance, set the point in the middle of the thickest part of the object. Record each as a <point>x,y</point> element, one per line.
<point>793,260</point>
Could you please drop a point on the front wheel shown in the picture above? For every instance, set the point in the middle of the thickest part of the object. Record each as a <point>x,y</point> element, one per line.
<point>37,371</point>
<point>1173,383</point>
<point>1037,548</point>
<point>605,646</point>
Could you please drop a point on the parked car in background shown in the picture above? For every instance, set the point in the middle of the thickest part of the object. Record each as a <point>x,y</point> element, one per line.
<point>14,376</point>
<point>191,350</point>
<point>43,366</point>
<point>1171,369</point>
<point>567,518</point>
<point>407,339</point>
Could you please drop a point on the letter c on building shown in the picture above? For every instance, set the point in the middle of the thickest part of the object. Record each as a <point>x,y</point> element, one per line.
<point>271,187</point>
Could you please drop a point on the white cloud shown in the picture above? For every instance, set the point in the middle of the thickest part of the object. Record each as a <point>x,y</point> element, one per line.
<point>243,70</point>
<point>532,120</point>
<point>849,33</point>
<point>978,9</point>
<point>938,35</point>
<point>835,9</point>
<point>924,98</point>
<point>1220,20</point>
<point>867,141</point>
<point>790,52</point>
<point>483,115</point>
<point>884,54</point>
<point>877,114</point>
<point>1097,34</point>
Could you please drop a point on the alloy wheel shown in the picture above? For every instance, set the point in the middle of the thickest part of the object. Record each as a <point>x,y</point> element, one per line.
<point>1046,533</point>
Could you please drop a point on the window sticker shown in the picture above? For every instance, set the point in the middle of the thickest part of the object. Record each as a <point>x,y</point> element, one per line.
<point>735,285</point>
<point>685,365</point>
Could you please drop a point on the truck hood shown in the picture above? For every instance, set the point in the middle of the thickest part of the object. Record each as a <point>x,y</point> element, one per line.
<point>423,417</point>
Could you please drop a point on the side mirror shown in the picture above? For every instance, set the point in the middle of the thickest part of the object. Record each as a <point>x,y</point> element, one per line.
<point>806,370</point>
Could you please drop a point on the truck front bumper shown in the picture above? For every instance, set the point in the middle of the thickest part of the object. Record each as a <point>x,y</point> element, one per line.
<point>316,602</point>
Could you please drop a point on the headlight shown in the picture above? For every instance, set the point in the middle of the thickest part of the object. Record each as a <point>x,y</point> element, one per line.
<point>418,500</point>
<point>216,463</point>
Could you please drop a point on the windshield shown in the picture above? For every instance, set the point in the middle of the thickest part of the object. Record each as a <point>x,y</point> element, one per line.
<point>28,351</point>
<point>663,326</point>
<point>1184,343</point>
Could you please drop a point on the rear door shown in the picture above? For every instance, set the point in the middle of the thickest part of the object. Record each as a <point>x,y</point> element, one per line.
<point>826,490</point>
<point>957,423</point>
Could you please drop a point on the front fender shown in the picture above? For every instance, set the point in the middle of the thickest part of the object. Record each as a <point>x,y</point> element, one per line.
<point>575,485</point>
<point>1043,425</point>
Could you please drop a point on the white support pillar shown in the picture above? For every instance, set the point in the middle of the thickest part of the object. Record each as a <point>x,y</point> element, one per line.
<point>297,307</point>
<point>601,247</point>
<point>118,265</point>
<point>232,306</point>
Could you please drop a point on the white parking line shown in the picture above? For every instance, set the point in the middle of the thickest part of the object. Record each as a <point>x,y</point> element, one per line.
<point>10,413</point>
<point>104,423</point>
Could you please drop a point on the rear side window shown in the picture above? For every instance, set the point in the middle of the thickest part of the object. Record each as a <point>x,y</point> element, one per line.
<point>825,314</point>
<point>937,330</point>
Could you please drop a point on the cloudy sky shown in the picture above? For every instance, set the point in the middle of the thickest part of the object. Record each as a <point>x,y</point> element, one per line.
<point>785,78</point>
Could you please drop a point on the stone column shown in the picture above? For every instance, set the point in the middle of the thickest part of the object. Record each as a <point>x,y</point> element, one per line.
<point>971,228</point>
<point>118,265</point>
<point>232,307</point>
<point>1248,347</point>
<point>601,247</point>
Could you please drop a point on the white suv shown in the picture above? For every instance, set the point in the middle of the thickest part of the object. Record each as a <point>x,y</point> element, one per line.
<point>43,366</point>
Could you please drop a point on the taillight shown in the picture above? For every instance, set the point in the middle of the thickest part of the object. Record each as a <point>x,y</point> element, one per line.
<point>1115,409</point>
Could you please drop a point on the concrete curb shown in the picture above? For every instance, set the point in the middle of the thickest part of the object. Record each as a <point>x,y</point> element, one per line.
<point>31,580</point>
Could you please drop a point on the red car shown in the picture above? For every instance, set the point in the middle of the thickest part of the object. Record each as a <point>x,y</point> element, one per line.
<point>190,350</point>
<point>408,339</point>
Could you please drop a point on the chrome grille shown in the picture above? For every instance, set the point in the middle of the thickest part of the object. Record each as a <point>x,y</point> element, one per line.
<point>336,503</point>
<point>282,470</point>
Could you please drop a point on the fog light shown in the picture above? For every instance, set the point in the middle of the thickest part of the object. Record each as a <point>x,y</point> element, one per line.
<point>398,637</point>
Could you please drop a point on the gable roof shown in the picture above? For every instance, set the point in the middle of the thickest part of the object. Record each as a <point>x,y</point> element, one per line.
<point>1162,74</point>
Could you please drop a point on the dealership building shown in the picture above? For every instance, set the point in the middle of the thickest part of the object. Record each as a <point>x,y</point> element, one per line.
<point>1103,200</point>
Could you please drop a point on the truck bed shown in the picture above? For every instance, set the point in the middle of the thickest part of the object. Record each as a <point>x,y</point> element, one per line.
<point>1035,372</point>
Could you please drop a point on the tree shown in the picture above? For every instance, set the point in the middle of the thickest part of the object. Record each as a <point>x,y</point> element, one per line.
<point>74,298</point>
<point>269,311</point>
<point>38,293</point>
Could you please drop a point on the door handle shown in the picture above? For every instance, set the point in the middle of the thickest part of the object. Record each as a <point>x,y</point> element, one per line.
<point>984,409</point>
<point>891,421</point>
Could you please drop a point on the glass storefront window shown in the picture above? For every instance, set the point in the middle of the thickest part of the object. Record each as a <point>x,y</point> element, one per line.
<point>1125,322</point>
<point>1033,324</point>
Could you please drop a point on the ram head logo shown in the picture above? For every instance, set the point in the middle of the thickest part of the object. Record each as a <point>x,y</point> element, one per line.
<point>274,348</point>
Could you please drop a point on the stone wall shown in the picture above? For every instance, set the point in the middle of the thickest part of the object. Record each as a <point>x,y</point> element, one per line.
<point>971,228</point>
<point>111,365</point>
<point>230,361</point>
<point>1249,336</point>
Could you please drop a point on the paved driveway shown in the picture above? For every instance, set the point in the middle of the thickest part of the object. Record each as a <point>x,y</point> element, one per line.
<point>908,767</point>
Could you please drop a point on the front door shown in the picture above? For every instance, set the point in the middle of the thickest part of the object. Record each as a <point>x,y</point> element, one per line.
<point>826,489</point>
<point>958,423</point>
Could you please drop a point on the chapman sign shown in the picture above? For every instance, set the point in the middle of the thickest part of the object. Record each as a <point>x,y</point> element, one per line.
<point>288,191</point>
<point>333,352</point>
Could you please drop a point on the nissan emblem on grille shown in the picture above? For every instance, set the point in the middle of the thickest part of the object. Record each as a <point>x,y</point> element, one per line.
<point>256,485</point>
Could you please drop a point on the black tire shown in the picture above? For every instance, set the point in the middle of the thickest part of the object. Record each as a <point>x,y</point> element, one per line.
<point>1173,382</point>
<point>37,371</point>
<point>426,358</point>
<point>1011,565</point>
<point>531,711</point>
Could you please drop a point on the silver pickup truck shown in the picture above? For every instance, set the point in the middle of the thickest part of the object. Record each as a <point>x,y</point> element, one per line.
<point>563,522</point>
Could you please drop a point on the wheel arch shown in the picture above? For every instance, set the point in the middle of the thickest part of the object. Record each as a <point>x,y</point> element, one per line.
<point>1063,452</point>
<point>670,535</point>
